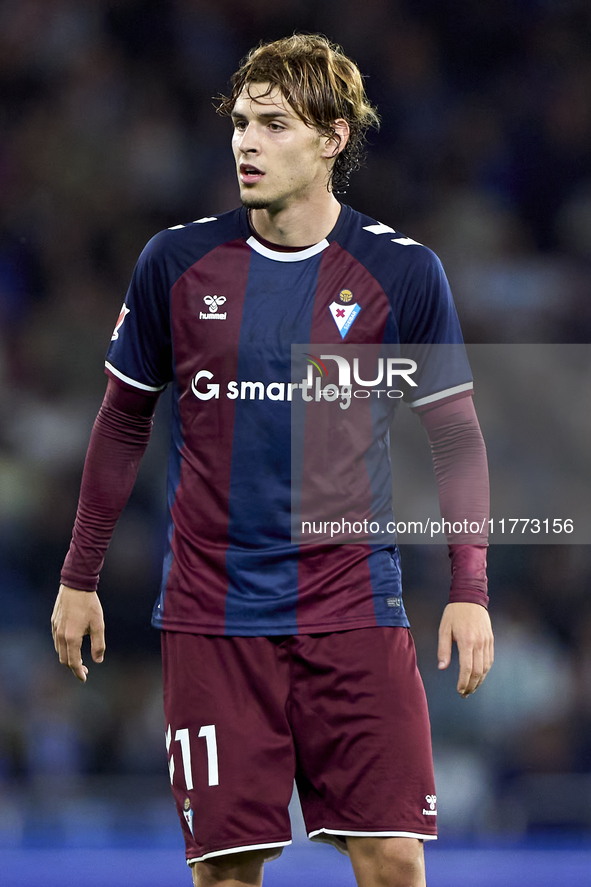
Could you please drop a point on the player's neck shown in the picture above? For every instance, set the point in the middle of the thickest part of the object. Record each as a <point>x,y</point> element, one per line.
<point>298,224</point>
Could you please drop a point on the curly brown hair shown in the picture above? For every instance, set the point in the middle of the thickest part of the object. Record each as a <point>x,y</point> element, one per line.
<point>321,84</point>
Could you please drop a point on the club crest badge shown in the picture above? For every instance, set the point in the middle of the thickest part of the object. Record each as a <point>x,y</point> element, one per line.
<point>122,315</point>
<point>344,316</point>
<point>188,813</point>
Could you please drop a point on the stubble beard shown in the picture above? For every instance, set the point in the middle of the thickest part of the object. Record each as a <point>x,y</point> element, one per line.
<point>252,202</point>
<point>273,204</point>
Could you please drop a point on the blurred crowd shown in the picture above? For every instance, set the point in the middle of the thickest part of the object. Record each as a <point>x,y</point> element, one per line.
<point>107,135</point>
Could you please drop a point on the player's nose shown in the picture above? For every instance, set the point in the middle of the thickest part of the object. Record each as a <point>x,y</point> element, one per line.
<point>248,142</point>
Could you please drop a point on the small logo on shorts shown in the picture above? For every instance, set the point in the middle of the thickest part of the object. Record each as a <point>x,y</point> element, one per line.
<point>432,802</point>
<point>188,814</point>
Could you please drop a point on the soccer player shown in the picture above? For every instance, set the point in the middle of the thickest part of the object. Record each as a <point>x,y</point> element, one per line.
<point>286,660</point>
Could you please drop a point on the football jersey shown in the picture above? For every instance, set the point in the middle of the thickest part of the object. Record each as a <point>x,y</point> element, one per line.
<point>268,424</point>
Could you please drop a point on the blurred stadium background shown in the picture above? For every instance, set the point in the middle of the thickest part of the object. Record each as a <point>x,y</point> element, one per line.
<point>107,135</point>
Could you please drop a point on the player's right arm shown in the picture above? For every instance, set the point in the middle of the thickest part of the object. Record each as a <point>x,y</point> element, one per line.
<point>119,438</point>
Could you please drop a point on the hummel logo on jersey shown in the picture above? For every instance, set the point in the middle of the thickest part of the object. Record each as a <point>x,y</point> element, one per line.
<point>432,802</point>
<point>122,315</point>
<point>213,303</point>
<point>344,316</point>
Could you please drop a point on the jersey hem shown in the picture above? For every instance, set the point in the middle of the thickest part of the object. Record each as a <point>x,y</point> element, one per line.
<point>276,630</point>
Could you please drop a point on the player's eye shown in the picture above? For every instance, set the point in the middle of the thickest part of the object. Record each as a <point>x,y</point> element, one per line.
<point>276,127</point>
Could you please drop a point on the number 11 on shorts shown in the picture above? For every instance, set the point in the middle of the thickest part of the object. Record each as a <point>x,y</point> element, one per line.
<point>208,733</point>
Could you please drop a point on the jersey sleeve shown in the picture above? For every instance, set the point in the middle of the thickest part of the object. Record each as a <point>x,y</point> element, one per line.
<point>140,353</point>
<point>430,333</point>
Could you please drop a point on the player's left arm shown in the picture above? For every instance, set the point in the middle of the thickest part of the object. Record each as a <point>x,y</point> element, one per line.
<point>461,471</point>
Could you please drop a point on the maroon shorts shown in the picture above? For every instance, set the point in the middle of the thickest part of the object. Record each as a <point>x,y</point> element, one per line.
<point>343,713</point>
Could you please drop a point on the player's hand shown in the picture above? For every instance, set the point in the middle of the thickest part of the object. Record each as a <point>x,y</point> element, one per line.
<point>469,626</point>
<point>75,614</point>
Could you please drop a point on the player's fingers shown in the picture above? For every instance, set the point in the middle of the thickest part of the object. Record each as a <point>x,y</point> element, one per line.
<point>488,655</point>
<point>59,642</point>
<point>54,636</point>
<point>466,670</point>
<point>54,629</point>
<point>444,646</point>
<point>80,672</point>
<point>97,642</point>
<point>478,673</point>
<point>67,656</point>
<point>61,648</point>
<point>74,657</point>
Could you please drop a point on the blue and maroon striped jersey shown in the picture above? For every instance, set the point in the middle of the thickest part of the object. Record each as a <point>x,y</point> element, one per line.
<point>232,323</point>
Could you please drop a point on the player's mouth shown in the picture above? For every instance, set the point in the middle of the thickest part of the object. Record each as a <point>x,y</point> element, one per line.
<point>250,175</point>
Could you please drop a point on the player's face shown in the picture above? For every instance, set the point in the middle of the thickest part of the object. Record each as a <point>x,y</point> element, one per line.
<point>280,160</point>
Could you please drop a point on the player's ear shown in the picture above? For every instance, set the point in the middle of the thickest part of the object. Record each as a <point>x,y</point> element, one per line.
<point>335,144</point>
